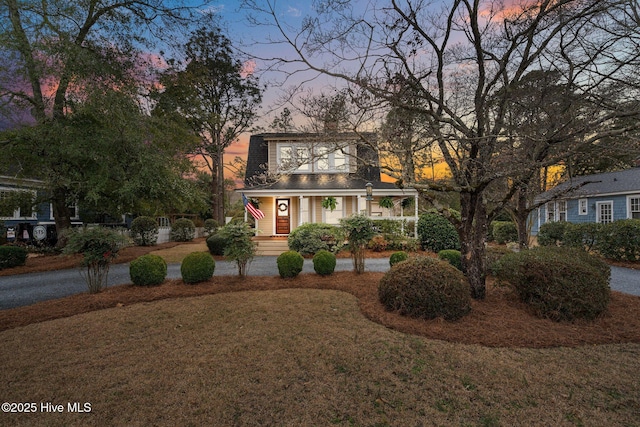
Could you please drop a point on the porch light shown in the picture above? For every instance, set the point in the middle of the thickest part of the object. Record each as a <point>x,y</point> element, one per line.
<point>369,188</point>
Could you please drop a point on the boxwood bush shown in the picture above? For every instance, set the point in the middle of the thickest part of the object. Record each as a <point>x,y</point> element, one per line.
<point>312,237</point>
<point>144,231</point>
<point>551,233</point>
<point>397,257</point>
<point>290,264</point>
<point>197,267</point>
<point>561,284</point>
<point>436,233</point>
<point>504,232</point>
<point>183,230</point>
<point>216,244</point>
<point>620,240</point>
<point>582,235</point>
<point>427,288</point>
<point>324,263</point>
<point>148,270</point>
<point>12,256</point>
<point>452,256</point>
<point>211,226</point>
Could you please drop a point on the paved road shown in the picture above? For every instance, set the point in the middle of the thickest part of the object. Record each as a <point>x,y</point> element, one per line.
<point>26,289</point>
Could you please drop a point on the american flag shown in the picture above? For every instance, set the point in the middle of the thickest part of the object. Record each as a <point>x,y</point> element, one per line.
<point>255,212</point>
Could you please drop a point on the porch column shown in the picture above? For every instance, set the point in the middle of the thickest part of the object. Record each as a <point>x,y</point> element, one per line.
<point>415,222</point>
<point>300,210</point>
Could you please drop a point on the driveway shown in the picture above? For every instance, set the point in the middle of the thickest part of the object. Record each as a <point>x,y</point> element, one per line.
<point>26,289</point>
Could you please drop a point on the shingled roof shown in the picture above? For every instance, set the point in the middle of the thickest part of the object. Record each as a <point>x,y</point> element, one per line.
<point>258,157</point>
<point>619,182</point>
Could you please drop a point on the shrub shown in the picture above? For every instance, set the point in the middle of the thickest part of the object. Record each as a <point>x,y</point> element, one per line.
<point>620,240</point>
<point>148,270</point>
<point>504,231</point>
<point>12,256</point>
<point>183,230</point>
<point>312,237</point>
<point>397,257</point>
<point>452,256</point>
<point>494,254</point>
<point>197,267</point>
<point>290,264</point>
<point>216,244</point>
<point>324,263</point>
<point>551,233</point>
<point>583,235</point>
<point>427,288</point>
<point>359,230</point>
<point>98,246</point>
<point>399,243</point>
<point>211,226</point>
<point>240,246</point>
<point>144,231</point>
<point>378,243</point>
<point>387,226</point>
<point>558,283</point>
<point>436,233</point>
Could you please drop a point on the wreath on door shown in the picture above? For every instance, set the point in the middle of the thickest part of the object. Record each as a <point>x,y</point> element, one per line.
<point>282,207</point>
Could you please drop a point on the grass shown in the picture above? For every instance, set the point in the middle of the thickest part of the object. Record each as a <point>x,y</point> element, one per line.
<point>305,351</point>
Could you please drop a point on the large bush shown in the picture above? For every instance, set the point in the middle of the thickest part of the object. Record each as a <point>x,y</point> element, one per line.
<point>144,231</point>
<point>310,238</point>
<point>12,256</point>
<point>558,283</point>
<point>211,226</point>
<point>239,246</point>
<point>324,263</point>
<point>620,240</point>
<point>290,264</point>
<point>551,233</point>
<point>582,235</point>
<point>504,232</point>
<point>436,233</point>
<point>183,230</point>
<point>427,288</point>
<point>216,244</point>
<point>197,267</point>
<point>358,230</point>
<point>148,270</point>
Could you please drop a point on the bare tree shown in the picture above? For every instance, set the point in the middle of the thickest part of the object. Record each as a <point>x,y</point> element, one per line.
<point>462,60</point>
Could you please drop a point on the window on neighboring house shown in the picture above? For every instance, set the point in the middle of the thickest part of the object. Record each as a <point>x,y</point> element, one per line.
<point>634,207</point>
<point>583,208</point>
<point>604,212</point>
<point>72,209</point>
<point>551,211</point>
<point>24,200</point>
<point>562,210</point>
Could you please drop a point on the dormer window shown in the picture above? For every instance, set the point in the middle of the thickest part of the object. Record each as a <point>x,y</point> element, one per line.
<point>302,158</point>
<point>293,158</point>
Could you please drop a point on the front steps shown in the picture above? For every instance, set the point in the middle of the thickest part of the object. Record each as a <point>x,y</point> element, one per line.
<point>271,246</point>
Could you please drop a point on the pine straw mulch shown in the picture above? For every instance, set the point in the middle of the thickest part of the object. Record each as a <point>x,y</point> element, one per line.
<point>498,321</point>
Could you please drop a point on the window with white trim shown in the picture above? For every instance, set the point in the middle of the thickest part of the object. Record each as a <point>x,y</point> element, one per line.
<point>300,157</point>
<point>634,207</point>
<point>604,212</point>
<point>562,210</point>
<point>583,207</point>
<point>293,158</point>
<point>10,197</point>
<point>551,211</point>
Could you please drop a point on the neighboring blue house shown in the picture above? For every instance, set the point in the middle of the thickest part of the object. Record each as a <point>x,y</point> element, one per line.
<point>28,223</point>
<point>601,198</point>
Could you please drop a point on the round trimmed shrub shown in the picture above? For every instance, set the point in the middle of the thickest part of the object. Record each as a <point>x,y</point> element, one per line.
<point>551,233</point>
<point>427,288</point>
<point>197,267</point>
<point>148,270</point>
<point>452,256</point>
<point>12,256</point>
<point>216,244</point>
<point>504,232</point>
<point>561,284</point>
<point>290,264</point>
<point>144,231</point>
<point>397,257</point>
<point>183,230</point>
<point>436,233</point>
<point>210,226</point>
<point>324,263</point>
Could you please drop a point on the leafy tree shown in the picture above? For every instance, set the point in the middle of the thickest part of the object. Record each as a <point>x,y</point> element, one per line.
<point>54,55</point>
<point>239,245</point>
<point>217,96</point>
<point>359,230</point>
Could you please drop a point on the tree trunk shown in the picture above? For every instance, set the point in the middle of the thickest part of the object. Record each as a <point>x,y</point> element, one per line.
<point>61,215</point>
<point>473,237</point>
<point>521,216</point>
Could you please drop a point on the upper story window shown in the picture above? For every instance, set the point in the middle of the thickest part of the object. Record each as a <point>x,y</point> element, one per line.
<point>300,157</point>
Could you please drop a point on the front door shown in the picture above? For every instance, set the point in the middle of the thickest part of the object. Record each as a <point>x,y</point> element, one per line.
<point>283,217</point>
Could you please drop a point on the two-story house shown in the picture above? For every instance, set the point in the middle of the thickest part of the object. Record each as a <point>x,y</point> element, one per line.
<point>291,174</point>
<point>600,198</point>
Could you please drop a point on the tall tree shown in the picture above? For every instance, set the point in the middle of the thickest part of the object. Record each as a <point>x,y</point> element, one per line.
<point>463,58</point>
<point>217,95</point>
<point>54,52</point>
